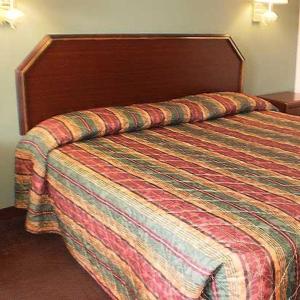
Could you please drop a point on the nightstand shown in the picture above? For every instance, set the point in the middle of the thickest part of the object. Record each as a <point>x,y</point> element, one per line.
<point>286,102</point>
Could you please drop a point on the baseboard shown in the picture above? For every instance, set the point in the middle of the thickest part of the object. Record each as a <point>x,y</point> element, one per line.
<point>11,213</point>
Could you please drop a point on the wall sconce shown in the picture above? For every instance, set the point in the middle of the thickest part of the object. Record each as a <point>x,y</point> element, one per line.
<point>263,13</point>
<point>8,13</point>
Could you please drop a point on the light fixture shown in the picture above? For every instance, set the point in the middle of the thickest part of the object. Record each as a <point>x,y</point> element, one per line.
<point>8,13</point>
<point>261,13</point>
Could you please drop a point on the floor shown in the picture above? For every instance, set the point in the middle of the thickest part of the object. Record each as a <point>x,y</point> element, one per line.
<point>39,266</point>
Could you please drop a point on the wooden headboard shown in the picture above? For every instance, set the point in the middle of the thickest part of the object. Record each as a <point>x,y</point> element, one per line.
<point>74,72</point>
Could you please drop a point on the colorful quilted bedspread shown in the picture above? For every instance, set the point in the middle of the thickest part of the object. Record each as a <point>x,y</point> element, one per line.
<point>195,198</point>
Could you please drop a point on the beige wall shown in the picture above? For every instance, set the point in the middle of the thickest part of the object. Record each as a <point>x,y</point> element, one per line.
<point>297,81</point>
<point>270,50</point>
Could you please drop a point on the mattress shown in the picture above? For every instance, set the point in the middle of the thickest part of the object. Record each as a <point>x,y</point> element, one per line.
<point>195,198</point>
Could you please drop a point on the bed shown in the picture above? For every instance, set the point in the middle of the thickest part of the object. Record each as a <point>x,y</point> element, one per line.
<point>163,178</point>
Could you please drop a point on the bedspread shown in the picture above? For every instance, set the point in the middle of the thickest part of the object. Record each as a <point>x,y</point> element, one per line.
<point>196,198</point>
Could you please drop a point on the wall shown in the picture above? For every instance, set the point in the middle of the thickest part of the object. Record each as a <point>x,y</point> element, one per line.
<point>270,50</point>
<point>297,81</point>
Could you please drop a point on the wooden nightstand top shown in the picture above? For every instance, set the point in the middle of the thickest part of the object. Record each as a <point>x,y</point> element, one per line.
<point>284,97</point>
<point>287,102</point>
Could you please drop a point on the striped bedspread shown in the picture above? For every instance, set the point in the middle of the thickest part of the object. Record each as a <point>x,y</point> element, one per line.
<point>195,198</point>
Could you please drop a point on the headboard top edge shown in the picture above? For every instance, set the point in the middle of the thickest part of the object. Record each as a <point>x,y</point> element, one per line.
<point>34,54</point>
<point>50,38</point>
<point>137,35</point>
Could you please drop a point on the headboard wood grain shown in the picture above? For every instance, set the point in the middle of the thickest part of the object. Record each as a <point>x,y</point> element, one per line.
<point>66,73</point>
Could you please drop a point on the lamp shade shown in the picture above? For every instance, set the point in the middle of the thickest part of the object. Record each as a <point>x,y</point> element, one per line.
<point>273,1</point>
